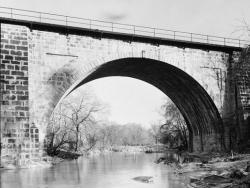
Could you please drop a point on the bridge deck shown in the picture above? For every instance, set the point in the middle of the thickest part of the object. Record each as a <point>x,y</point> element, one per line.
<point>131,33</point>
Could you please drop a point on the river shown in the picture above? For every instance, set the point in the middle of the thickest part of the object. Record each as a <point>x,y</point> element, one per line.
<point>115,170</point>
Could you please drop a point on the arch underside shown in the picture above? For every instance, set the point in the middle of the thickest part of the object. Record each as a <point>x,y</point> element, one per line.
<point>196,106</point>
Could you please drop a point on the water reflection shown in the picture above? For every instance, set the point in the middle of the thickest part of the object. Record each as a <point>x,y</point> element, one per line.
<point>105,171</point>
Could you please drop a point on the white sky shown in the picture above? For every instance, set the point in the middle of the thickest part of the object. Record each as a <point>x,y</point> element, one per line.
<point>131,100</point>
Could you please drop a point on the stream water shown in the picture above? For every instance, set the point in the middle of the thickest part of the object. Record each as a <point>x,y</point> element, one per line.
<point>114,170</point>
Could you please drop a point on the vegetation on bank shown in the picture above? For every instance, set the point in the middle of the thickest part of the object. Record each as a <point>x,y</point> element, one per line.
<point>174,131</point>
<point>76,127</point>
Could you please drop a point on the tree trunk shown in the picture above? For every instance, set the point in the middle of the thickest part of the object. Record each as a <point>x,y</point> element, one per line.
<point>77,139</point>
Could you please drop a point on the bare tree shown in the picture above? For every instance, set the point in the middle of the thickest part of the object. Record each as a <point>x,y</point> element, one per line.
<point>73,125</point>
<point>155,132</point>
<point>80,116</point>
<point>122,135</point>
<point>57,134</point>
<point>103,136</point>
<point>174,130</point>
<point>243,29</point>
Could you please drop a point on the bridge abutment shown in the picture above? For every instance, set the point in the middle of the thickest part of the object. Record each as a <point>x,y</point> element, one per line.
<point>235,113</point>
<point>243,97</point>
<point>19,138</point>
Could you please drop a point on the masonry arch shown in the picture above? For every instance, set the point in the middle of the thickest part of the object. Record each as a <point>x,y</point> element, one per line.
<point>199,111</point>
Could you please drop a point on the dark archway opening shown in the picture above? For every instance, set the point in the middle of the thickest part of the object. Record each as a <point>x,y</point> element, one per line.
<point>200,113</point>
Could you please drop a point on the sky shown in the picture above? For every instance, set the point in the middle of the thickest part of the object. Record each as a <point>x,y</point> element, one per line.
<point>128,100</point>
<point>131,100</point>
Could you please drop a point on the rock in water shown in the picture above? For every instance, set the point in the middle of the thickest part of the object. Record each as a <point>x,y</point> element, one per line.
<point>160,160</point>
<point>144,179</point>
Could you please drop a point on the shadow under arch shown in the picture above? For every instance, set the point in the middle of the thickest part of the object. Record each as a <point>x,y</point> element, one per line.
<point>199,111</point>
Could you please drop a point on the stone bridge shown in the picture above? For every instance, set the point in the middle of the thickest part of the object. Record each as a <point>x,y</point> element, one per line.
<point>42,62</point>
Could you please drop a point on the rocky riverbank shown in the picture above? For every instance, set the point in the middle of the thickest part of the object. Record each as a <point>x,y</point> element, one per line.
<point>145,148</point>
<point>68,155</point>
<point>212,170</point>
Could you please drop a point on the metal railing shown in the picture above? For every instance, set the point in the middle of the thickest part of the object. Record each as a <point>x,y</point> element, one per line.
<point>43,17</point>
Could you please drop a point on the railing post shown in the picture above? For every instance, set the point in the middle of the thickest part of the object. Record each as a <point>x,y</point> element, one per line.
<point>174,35</point>
<point>112,26</point>
<point>66,20</point>
<point>154,32</point>
<point>142,53</point>
<point>191,37</point>
<point>11,12</point>
<point>239,43</point>
<point>40,16</point>
<point>90,22</point>
<point>134,29</point>
<point>224,41</point>
<point>207,39</point>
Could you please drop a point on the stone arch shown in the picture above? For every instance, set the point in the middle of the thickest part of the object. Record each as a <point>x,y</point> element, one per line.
<point>198,109</point>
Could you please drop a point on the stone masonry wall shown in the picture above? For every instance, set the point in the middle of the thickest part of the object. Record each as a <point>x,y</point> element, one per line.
<point>15,128</point>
